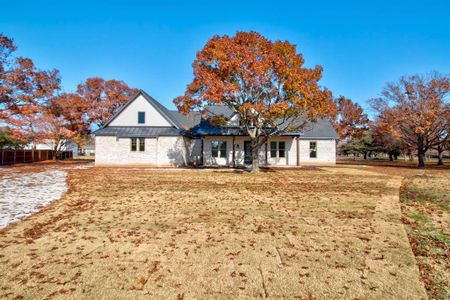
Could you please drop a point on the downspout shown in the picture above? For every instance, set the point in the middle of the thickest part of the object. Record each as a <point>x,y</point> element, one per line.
<point>298,150</point>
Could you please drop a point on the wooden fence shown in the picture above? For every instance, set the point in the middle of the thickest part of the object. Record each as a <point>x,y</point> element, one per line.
<point>11,157</point>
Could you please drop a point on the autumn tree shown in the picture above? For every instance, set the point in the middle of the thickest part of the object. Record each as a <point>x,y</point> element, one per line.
<point>264,83</point>
<point>349,120</point>
<point>23,87</point>
<point>104,98</point>
<point>413,109</point>
<point>74,109</point>
<point>53,129</point>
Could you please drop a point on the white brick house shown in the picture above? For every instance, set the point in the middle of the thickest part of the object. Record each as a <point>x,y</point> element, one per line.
<point>144,132</point>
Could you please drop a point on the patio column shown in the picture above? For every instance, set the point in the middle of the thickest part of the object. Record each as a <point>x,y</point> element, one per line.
<point>233,154</point>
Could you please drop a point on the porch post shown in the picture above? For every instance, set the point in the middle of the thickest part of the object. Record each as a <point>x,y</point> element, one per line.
<point>265,153</point>
<point>202,154</point>
<point>233,155</point>
<point>298,150</point>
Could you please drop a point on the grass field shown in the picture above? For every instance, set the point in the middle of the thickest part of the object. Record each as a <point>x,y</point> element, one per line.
<point>426,209</point>
<point>136,233</point>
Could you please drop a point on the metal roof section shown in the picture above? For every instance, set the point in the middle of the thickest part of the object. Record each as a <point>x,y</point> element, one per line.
<point>195,125</point>
<point>137,131</point>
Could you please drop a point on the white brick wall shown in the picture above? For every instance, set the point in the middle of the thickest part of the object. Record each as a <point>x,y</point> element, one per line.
<point>182,151</point>
<point>326,152</point>
<point>158,151</point>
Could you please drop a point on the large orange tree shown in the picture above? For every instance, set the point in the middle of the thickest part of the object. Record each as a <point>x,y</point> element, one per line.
<point>103,98</point>
<point>416,110</point>
<point>24,89</point>
<point>264,83</point>
<point>350,121</point>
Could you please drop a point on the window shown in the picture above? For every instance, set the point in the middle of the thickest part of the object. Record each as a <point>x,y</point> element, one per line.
<point>273,149</point>
<point>141,144</point>
<point>277,148</point>
<point>141,117</point>
<point>281,149</point>
<point>313,149</point>
<point>134,144</point>
<point>219,149</point>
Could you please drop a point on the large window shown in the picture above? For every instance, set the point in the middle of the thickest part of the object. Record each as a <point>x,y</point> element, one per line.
<point>141,117</point>
<point>134,144</point>
<point>277,149</point>
<point>219,149</point>
<point>313,149</point>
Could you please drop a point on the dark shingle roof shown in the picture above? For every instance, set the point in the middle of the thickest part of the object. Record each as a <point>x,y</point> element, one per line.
<point>137,131</point>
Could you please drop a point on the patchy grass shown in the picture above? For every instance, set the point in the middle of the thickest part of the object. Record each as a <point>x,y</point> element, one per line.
<point>136,233</point>
<point>425,204</point>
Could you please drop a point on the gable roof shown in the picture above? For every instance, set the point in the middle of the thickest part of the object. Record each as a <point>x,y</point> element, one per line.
<point>193,124</point>
<point>158,106</point>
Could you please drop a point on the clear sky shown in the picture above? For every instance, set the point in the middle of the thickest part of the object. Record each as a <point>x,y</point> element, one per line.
<point>151,45</point>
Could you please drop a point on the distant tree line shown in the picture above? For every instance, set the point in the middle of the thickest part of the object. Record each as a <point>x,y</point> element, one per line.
<point>34,109</point>
<point>412,117</point>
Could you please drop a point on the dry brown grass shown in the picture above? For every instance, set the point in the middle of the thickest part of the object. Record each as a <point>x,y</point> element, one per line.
<point>426,214</point>
<point>136,233</point>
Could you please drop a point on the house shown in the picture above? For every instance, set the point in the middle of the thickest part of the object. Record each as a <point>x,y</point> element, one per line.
<point>144,132</point>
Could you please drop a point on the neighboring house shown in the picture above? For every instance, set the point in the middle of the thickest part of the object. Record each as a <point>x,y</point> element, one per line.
<point>50,145</point>
<point>145,132</point>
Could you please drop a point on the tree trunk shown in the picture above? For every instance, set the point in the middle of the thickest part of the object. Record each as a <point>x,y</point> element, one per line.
<point>421,152</point>
<point>421,159</point>
<point>365,155</point>
<point>391,158</point>
<point>255,156</point>
<point>440,157</point>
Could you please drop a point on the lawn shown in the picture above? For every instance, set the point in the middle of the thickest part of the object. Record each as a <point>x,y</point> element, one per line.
<point>426,208</point>
<point>140,233</point>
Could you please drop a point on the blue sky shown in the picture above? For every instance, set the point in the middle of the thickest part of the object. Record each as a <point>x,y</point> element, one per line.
<point>151,45</point>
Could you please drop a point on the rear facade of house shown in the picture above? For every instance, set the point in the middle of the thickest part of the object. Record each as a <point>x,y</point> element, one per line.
<point>144,132</point>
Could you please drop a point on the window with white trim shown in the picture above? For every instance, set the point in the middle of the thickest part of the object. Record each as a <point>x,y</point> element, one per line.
<point>277,149</point>
<point>219,149</point>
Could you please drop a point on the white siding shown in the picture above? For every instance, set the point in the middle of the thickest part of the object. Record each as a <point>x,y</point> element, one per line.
<point>129,116</point>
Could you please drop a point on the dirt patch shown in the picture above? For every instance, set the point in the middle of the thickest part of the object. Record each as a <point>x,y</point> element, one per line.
<point>136,233</point>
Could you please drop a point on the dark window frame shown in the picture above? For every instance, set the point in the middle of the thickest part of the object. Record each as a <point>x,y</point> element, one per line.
<point>312,149</point>
<point>141,144</point>
<point>141,117</point>
<point>218,149</point>
<point>273,149</point>
<point>277,149</point>
<point>133,144</point>
<point>282,150</point>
